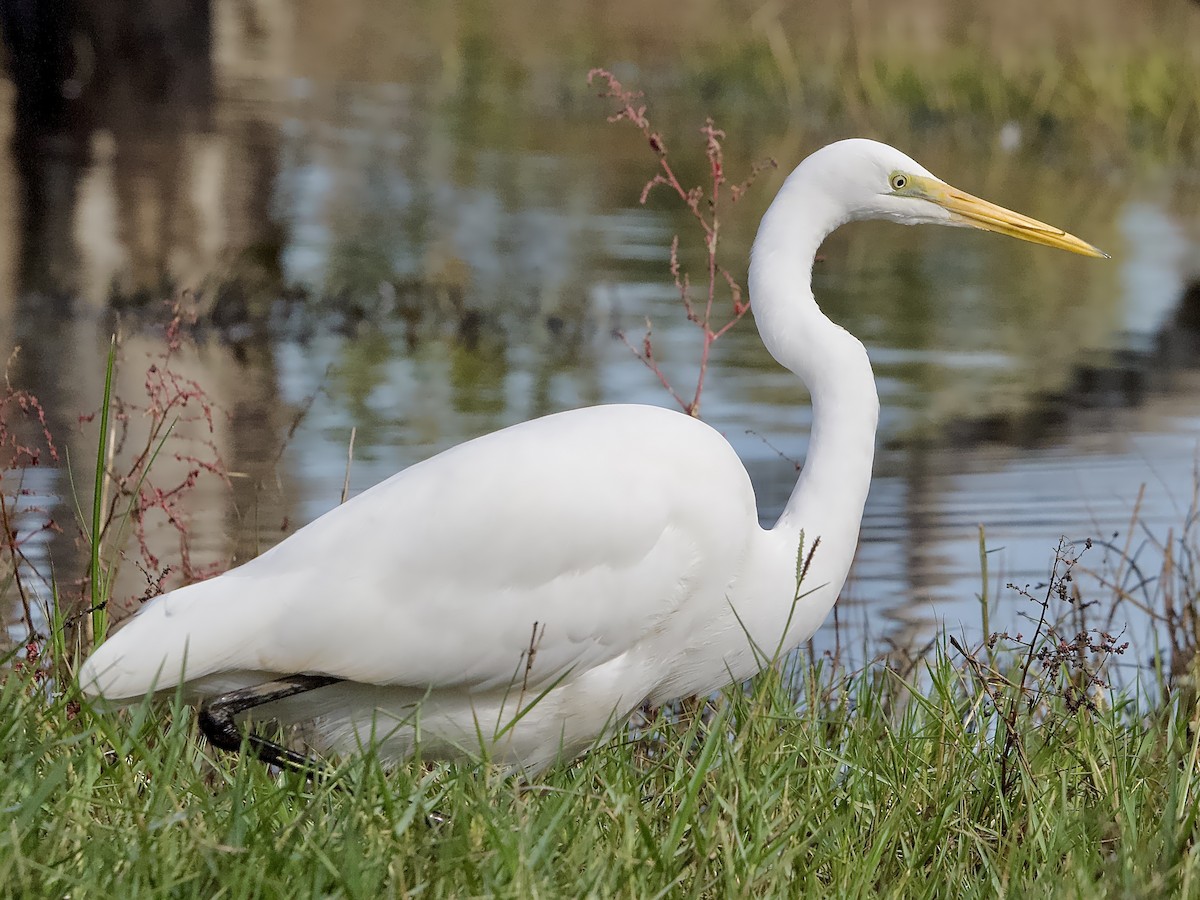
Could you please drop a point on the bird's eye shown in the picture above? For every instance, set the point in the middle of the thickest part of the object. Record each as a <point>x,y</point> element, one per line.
<point>898,182</point>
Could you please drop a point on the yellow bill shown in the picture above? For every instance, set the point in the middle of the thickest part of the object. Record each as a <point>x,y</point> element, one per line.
<point>967,209</point>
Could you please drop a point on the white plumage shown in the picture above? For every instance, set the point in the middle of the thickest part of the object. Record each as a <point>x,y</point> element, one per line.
<point>519,595</point>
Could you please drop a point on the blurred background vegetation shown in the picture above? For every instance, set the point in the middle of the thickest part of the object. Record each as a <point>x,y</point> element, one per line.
<point>144,81</point>
<point>1131,74</point>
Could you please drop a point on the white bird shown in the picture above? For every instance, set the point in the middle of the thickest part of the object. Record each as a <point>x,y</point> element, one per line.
<point>518,596</point>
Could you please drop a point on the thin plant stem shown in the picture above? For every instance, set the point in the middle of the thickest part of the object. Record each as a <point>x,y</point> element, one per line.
<point>99,617</point>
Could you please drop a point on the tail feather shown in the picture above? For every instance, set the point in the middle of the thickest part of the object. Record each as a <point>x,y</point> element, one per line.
<point>177,638</point>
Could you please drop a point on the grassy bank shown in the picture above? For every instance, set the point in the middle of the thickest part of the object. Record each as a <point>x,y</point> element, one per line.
<point>859,785</point>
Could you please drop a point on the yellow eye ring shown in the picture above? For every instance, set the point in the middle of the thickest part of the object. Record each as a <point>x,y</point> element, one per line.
<point>899,181</point>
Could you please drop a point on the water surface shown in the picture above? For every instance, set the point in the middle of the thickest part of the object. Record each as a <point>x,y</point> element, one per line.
<point>367,256</point>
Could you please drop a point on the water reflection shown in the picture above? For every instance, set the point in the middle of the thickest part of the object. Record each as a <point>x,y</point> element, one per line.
<point>10,217</point>
<point>395,256</point>
<point>1113,456</point>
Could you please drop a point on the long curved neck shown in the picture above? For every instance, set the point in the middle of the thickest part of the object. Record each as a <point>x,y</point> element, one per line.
<point>830,494</point>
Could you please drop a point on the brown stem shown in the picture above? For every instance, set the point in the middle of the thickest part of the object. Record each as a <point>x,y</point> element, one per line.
<point>14,552</point>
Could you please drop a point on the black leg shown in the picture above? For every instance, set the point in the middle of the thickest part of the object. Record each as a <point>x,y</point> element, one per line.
<point>217,724</point>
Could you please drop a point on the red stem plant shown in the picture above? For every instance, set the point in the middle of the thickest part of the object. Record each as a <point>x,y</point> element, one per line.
<point>704,204</point>
<point>23,428</point>
<point>171,400</point>
<point>142,432</point>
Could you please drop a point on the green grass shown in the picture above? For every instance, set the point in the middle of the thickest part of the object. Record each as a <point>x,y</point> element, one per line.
<point>853,785</point>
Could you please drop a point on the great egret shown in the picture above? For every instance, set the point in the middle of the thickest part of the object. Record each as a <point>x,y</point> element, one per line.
<point>520,594</point>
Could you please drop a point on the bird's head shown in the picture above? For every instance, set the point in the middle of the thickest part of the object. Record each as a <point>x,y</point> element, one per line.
<point>875,181</point>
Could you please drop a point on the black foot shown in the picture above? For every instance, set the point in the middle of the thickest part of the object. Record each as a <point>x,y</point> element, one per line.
<point>217,724</point>
<point>218,727</point>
